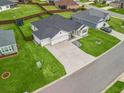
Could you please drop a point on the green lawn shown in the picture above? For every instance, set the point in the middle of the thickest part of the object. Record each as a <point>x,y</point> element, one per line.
<point>50,7</point>
<point>66,14</point>
<point>97,42</point>
<point>117,10</point>
<point>83,1</point>
<point>20,11</point>
<point>116,88</point>
<point>25,76</point>
<point>40,1</point>
<point>117,24</point>
<point>99,5</point>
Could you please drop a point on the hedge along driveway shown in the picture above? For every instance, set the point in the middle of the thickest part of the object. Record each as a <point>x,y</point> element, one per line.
<point>20,11</point>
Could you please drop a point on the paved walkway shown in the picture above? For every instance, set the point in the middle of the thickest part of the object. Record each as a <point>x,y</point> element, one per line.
<point>70,56</point>
<point>122,91</point>
<point>118,35</point>
<point>122,78</point>
<point>107,7</point>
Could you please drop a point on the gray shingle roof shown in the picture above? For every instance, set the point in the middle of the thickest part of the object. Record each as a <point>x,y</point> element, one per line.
<point>91,15</point>
<point>6,2</point>
<point>50,26</point>
<point>7,37</point>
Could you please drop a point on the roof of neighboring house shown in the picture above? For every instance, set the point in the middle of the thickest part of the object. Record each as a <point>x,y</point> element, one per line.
<point>91,15</point>
<point>7,37</point>
<point>66,2</point>
<point>50,26</point>
<point>6,2</point>
<point>122,1</point>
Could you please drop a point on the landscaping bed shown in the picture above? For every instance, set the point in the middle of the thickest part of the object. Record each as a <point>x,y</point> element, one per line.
<point>117,10</point>
<point>25,75</point>
<point>20,11</point>
<point>117,24</point>
<point>97,42</point>
<point>116,88</point>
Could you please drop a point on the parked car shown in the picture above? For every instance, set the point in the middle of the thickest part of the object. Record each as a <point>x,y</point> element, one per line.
<point>107,29</point>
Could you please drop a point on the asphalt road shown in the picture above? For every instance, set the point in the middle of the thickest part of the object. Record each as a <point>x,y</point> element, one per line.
<point>94,77</point>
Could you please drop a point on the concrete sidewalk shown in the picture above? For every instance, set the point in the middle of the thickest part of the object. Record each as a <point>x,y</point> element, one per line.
<point>72,57</point>
<point>118,35</point>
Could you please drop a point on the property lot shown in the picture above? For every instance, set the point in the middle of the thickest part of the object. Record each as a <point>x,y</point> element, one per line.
<point>70,56</point>
<point>97,42</point>
<point>21,10</point>
<point>25,75</point>
<point>117,24</point>
<point>117,10</point>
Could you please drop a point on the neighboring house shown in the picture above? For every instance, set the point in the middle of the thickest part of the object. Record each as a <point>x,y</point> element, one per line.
<point>117,4</point>
<point>7,43</point>
<point>21,1</point>
<point>6,5</point>
<point>55,29</point>
<point>92,17</point>
<point>65,4</point>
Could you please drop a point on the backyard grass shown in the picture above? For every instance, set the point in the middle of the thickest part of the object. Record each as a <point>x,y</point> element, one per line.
<point>20,11</point>
<point>117,24</point>
<point>117,10</point>
<point>26,28</point>
<point>83,1</point>
<point>97,42</point>
<point>66,14</point>
<point>99,5</point>
<point>39,1</point>
<point>50,7</point>
<point>116,88</point>
<point>25,76</point>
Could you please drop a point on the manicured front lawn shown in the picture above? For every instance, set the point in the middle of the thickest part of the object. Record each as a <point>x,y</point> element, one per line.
<point>25,76</point>
<point>117,24</point>
<point>117,10</point>
<point>66,14</point>
<point>99,5</point>
<point>97,42</point>
<point>50,7</point>
<point>20,11</point>
<point>116,88</point>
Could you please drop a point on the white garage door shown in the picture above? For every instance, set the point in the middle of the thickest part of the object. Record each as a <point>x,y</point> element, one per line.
<point>59,39</point>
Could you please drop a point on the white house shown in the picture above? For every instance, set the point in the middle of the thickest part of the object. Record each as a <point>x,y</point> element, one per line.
<point>6,5</point>
<point>92,17</point>
<point>55,29</point>
<point>7,43</point>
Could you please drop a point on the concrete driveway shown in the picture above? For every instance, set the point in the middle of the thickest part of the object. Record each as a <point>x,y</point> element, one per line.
<point>70,56</point>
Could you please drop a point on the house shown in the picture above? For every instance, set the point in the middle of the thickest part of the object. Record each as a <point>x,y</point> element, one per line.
<point>6,5</point>
<point>55,29</point>
<point>92,17</point>
<point>64,4</point>
<point>7,43</point>
<point>117,4</point>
